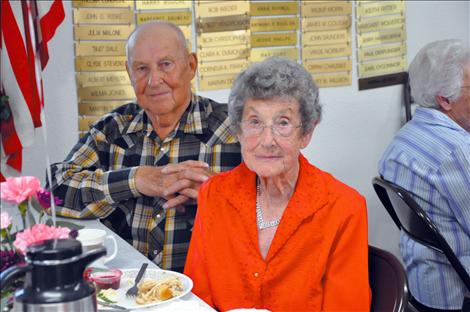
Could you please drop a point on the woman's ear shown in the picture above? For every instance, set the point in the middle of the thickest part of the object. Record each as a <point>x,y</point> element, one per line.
<point>306,138</point>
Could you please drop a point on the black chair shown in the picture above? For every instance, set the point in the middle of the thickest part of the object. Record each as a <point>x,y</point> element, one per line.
<point>411,218</point>
<point>387,280</point>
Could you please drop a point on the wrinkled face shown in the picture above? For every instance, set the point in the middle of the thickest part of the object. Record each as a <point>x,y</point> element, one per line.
<point>160,70</point>
<point>460,111</point>
<point>271,137</point>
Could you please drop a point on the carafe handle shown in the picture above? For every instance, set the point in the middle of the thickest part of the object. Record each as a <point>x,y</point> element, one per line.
<point>13,273</point>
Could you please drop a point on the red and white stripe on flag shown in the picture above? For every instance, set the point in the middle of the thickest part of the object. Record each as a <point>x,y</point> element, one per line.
<point>26,28</point>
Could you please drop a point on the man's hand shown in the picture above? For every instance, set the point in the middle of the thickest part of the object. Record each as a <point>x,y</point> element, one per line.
<point>188,184</point>
<point>176,182</point>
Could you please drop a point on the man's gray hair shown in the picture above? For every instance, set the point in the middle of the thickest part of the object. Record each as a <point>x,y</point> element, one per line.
<point>438,70</point>
<point>133,36</point>
<point>275,77</point>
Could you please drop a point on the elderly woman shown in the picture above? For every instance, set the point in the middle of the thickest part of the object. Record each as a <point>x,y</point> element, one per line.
<point>276,232</point>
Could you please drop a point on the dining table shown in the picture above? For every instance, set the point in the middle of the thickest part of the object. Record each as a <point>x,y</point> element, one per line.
<point>128,258</point>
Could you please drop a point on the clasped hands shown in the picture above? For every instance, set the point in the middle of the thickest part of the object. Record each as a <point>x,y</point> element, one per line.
<point>177,183</point>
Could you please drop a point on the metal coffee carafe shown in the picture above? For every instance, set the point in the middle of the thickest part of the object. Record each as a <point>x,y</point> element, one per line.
<point>54,277</point>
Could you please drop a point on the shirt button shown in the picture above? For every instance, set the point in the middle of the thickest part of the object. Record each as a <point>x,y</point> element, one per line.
<point>158,216</point>
<point>162,149</point>
<point>256,274</point>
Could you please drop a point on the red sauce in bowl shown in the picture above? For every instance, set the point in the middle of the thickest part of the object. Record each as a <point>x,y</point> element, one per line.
<point>107,279</point>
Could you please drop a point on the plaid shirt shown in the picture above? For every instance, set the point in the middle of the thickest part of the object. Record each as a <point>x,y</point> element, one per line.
<point>97,179</point>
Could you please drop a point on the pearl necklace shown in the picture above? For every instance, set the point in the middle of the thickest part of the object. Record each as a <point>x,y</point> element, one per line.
<point>259,213</point>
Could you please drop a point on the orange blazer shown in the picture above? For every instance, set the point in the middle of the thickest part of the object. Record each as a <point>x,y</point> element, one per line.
<point>317,259</point>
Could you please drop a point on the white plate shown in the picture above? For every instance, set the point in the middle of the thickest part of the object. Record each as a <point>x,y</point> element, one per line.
<point>127,281</point>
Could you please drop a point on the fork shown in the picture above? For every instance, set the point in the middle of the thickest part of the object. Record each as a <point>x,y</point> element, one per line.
<point>132,292</point>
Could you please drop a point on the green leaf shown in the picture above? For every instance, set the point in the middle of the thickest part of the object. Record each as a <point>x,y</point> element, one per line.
<point>70,225</point>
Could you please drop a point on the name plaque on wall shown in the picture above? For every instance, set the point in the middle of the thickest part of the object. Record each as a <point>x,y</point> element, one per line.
<point>98,108</point>
<point>326,23</point>
<point>124,92</point>
<point>102,16</point>
<point>222,8</point>
<point>213,24</point>
<point>84,123</point>
<point>162,4</point>
<point>103,3</point>
<point>258,55</point>
<point>102,32</point>
<point>325,8</point>
<point>274,24</point>
<point>100,48</point>
<point>223,38</point>
<point>380,8</point>
<point>326,37</point>
<point>273,8</point>
<point>379,23</point>
<point>332,80</point>
<point>178,18</point>
<point>382,66</point>
<point>326,51</point>
<point>224,53</point>
<point>387,51</point>
<point>328,66</point>
<point>273,39</point>
<point>221,68</point>
<point>89,79</point>
<point>380,37</point>
<point>216,82</point>
<point>100,63</point>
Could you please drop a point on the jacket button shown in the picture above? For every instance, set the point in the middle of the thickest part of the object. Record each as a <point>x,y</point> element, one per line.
<point>256,274</point>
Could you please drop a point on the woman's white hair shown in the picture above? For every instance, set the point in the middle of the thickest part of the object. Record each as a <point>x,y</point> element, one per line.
<point>438,70</point>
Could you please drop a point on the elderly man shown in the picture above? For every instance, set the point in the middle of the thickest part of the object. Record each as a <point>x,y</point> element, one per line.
<point>139,168</point>
<point>430,157</point>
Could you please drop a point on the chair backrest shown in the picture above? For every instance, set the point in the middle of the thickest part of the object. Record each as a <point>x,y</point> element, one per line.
<point>411,218</point>
<point>387,280</point>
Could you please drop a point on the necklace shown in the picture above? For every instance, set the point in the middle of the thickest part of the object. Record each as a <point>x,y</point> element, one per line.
<point>259,213</point>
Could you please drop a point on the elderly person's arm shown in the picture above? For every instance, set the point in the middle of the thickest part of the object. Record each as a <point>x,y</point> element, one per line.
<point>346,279</point>
<point>453,181</point>
<point>195,266</point>
<point>90,188</point>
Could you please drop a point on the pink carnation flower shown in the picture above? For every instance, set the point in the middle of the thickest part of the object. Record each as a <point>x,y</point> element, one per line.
<point>17,190</point>
<point>39,233</point>
<point>5,220</point>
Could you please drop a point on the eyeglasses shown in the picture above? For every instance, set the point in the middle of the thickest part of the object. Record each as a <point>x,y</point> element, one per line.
<point>280,127</point>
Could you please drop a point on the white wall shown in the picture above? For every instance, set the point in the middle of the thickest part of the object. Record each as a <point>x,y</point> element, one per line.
<point>356,127</point>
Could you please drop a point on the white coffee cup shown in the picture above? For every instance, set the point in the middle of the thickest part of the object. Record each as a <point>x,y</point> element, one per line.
<point>95,238</point>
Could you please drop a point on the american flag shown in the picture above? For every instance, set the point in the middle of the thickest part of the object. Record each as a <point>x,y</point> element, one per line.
<point>26,28</point>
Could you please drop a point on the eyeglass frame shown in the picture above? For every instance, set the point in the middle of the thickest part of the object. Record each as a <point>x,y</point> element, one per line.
<point>264,125</point>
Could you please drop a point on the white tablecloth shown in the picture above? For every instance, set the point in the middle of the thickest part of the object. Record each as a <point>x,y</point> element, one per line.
<point>127,258</point>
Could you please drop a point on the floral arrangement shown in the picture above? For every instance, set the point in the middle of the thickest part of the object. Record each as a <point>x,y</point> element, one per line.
<point>26,192</point>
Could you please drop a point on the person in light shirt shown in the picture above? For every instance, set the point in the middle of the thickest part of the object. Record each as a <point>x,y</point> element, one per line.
<point>276,232</point>
<point>430,157</point>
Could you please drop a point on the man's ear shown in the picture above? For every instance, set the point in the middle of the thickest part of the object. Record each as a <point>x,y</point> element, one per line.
<point>193,63</point>
<point>129,73</point>
<point>444,103</point>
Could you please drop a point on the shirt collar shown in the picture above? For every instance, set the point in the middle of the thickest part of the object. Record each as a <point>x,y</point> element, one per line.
<point>193,121</point>
<point>435,116</point>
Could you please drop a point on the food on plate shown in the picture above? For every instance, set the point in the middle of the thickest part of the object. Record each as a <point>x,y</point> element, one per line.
<point>107,295</point>
<point>151,290</point>
<point>106,279</point>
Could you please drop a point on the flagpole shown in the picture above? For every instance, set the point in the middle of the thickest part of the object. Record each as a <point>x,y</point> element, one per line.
<point>39,66</point>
